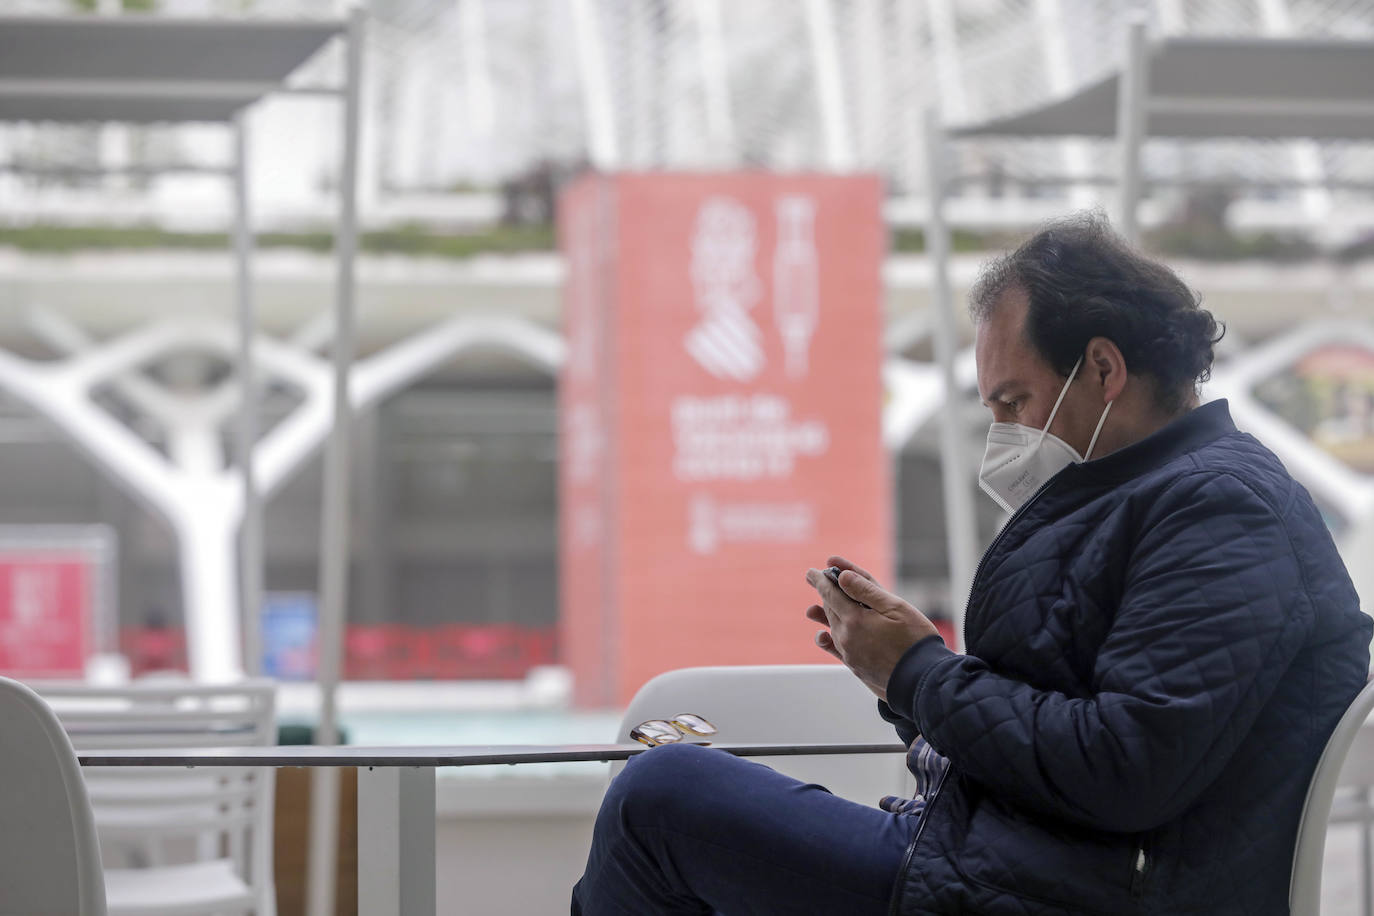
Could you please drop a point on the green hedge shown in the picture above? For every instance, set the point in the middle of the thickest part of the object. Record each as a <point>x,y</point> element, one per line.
<point>401,240</point>
<point>1173,240</point>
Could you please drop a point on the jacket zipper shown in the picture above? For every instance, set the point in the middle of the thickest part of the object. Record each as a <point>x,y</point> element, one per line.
<point>1142,865</point>
<point>911,847</point>
<point>930,802</point>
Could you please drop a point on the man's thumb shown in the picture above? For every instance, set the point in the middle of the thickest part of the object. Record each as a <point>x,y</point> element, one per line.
<point>859,588</point>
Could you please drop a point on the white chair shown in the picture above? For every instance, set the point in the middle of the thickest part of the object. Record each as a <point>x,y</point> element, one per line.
<point>1305,888</point>
<point>49,855</point>
<point>200,840</point>
<point>789,704</point>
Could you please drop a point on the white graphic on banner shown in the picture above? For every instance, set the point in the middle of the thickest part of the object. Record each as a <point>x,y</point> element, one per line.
<point>748,436</point>
<point>584,268</point>
<point>796,286</point>
<point>712,524</point>
<point>33,592</point>
<point>726,343</point>
<point>586,525</point>
<point>586,442</point>
<point>586,445</point>
<point>741,437</point>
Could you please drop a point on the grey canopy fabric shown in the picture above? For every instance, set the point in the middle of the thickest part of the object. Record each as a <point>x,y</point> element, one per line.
<point>1222,87</point>
<point>146,68</point>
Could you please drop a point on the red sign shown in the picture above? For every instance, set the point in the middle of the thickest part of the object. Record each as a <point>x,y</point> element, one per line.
<point>45,613</point>
<point>721,417</point>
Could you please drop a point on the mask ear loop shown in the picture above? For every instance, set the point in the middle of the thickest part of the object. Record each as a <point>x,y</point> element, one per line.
<point>1062,391</point>
<point>1096,432</point>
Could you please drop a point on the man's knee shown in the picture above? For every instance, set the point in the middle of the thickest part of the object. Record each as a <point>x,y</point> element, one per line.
<point>658,782</point>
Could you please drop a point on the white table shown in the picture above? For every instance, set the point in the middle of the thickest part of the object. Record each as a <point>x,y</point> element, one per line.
<point>396,861</point>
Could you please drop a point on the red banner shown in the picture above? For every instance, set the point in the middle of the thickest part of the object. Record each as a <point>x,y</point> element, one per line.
<point>721,416</point>
<point>45,613</point>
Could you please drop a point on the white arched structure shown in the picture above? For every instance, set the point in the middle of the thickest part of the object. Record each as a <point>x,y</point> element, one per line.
<point>192,485</point>
<point>201,495</point>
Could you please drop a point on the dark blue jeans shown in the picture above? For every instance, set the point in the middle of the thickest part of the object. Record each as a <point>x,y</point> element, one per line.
<point>689,829</point>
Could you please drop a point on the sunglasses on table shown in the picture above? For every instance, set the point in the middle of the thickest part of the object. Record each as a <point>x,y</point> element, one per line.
<point>666,731</point>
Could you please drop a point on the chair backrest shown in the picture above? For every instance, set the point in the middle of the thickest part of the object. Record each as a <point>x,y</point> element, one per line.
<point>792,704</point>
<point>221,812</point>
<point>49,855</point>
<point>1304,891</point>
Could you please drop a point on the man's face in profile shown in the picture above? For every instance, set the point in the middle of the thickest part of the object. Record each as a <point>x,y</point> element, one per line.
<point>1019,386</point>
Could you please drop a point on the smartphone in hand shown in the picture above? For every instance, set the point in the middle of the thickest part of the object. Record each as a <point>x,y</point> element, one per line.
<point>833,572</point>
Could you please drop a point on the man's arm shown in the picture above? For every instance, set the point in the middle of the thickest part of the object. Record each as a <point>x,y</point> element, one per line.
<point>1214,610</point>
<point>906,729</point>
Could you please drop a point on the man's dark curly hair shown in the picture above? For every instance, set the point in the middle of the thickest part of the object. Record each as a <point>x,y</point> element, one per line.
<point>1084,281</point>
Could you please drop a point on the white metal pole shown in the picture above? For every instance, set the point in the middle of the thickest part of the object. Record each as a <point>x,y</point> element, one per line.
<point>961,524</point>
<point>334,551</point>
<point>250,531</point>
<point>820,26</point>
<point>1130,123</point>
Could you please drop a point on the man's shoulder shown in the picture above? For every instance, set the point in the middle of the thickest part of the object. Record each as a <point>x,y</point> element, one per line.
<point>1232,465</point>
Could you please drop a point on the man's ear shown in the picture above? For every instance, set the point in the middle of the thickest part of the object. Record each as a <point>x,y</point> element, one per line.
<point>1106,368</point>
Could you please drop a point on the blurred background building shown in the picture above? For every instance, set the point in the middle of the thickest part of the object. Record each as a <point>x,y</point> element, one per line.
<point>476,113</point>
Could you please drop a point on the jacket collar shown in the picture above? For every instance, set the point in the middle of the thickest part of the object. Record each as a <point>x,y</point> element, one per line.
<point>1188,433</point>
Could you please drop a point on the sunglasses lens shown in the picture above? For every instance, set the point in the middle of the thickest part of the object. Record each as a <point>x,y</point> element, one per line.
<point>694,724</point>
<point>655,732</point>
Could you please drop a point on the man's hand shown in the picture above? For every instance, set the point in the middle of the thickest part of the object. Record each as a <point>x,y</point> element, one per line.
<point>870,641</point>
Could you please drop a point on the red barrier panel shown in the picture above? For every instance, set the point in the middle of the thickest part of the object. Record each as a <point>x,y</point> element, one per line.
<point>390,652</point>
<point>151,649</point>
<point>367,649</point>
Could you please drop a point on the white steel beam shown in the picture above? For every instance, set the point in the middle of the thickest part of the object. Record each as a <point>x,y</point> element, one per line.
<point>1049,17</point>
<point>913,86</point>
<point>715,78</point>
<point>871,66</point>
<point>820,27</point>
<point>476,67</point>
<point>944,38</point>
<point>603,148</point>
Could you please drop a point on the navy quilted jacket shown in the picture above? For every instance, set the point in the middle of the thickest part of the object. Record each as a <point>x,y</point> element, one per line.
<point>1159,644</point>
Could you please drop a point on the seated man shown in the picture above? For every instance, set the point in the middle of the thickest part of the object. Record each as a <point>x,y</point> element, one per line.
<point>1160,641</point>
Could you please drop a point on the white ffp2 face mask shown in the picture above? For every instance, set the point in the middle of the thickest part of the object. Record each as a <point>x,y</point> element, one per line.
<point>1019,459</point>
